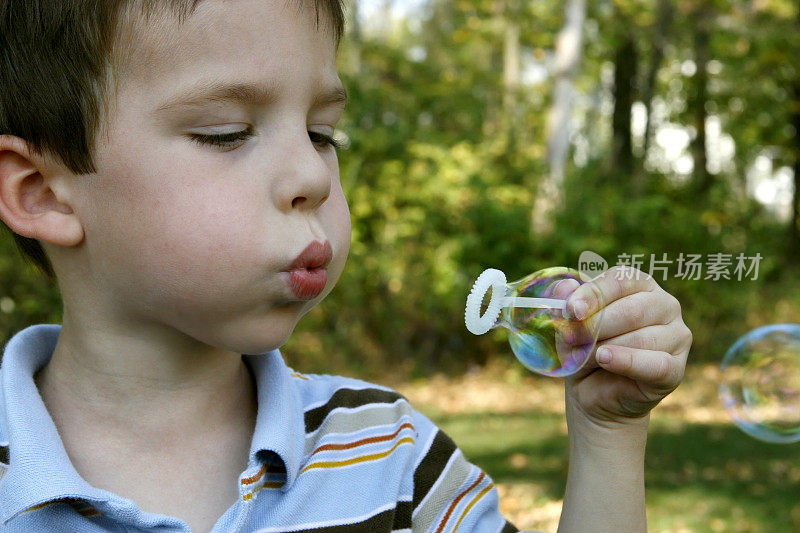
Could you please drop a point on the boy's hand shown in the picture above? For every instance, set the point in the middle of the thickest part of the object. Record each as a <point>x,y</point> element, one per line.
<point>642,346</point>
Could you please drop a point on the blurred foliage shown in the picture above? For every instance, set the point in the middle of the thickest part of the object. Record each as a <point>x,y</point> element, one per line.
<point>441,178</point>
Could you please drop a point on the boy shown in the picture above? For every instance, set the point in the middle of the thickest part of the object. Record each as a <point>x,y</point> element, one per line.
<point>188,203</point>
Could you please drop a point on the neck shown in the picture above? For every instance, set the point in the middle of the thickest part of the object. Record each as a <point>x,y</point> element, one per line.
<point>147,397</point>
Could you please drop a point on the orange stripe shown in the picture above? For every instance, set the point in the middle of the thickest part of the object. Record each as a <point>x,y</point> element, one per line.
<point>255,477</point>
<point>473,502</point>
<point>458,499</point>
<point>362,442</point>
<point>363,458</point>
<point>267,485</point>
<point>298,375</point>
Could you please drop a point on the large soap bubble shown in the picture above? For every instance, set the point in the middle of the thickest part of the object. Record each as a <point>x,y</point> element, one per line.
<point>533,310</point>
<point>760,385</point>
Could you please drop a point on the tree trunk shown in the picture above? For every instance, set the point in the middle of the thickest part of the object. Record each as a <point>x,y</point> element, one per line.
<point>660,35</point>
<point>385,18</point>
<point>355,39</point>
<point>625,63</point>
<point>702,37</point>
<point>796,167</point>
<point>569,44</point>
<point>795,150</point>
<point>511,69</point>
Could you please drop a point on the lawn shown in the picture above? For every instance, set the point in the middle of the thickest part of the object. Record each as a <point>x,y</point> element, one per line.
<point>703,474</point>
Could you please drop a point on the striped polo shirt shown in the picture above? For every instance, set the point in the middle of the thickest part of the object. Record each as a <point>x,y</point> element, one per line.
<point>329,454</point>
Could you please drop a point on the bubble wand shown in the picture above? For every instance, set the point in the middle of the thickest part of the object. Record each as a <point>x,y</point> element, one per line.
<point>542,335</point>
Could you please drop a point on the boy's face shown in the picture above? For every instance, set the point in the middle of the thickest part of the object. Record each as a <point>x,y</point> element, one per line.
<point>200,237</point>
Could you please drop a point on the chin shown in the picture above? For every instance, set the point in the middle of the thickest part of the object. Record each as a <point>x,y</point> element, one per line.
<point>264,334</point>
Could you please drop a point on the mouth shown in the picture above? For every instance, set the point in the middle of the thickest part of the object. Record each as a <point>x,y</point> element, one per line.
<point>307,273</point>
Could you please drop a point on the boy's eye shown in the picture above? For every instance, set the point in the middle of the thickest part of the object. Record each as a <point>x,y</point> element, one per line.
<point>221,139</point>
<point>228,139</point>
<point>325,140</point>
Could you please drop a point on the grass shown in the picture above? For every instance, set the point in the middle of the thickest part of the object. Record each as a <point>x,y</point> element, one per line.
<point>702,473</point>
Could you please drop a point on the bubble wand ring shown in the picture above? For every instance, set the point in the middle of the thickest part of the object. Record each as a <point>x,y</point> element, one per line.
<point>494,279</point>
<point>491,278</point>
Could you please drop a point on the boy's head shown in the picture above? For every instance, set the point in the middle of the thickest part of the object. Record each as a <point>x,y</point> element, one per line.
<point>169,159</point>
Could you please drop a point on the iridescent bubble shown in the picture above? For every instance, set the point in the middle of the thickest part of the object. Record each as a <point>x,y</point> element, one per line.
<point>533,310</point>
<point>760,385</point>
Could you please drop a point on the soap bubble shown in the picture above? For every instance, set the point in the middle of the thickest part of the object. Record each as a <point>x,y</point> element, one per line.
<point>533,310</point>
<point>760,385</point>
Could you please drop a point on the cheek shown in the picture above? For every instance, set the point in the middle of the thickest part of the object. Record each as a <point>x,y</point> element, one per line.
<point>339,224</point>
<point>337,212</point>
<point>173,228</point>
<point>211,231</point>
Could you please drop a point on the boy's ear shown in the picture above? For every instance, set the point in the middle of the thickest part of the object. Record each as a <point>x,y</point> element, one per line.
<point>33,202</point>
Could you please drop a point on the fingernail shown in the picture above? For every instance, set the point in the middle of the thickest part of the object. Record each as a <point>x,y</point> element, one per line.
<point>604,355</point>
<point>579,309</point>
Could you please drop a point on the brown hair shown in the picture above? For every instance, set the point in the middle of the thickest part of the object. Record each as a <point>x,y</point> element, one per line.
<point>57,64</point>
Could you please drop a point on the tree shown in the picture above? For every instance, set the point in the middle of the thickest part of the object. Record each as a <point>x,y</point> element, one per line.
<point>625,72</point>
<point>660,29</point>
<point>795,151</point>
<point>699,95</point>
<point>569,46</point>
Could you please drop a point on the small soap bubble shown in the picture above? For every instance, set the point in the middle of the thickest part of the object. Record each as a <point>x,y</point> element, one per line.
<point>760,385</point>
<point>533,310</point>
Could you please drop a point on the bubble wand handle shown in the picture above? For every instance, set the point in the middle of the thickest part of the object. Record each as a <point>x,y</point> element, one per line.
<point>535,303</point>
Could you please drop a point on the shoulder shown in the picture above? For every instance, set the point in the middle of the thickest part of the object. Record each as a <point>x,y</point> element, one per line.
<point>343,405</point>
<point>331,400</point>
<point>328,398</point>
<point>445,488</point>
<point>315,388</point>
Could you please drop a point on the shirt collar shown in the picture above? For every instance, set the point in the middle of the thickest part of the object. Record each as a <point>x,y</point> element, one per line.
<point>39,467</point>
<point>280,426</point>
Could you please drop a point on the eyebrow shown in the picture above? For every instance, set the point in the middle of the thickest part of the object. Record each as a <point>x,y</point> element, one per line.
<point>246,93</point>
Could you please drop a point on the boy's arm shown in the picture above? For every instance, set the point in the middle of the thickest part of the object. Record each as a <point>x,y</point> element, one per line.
<point>640,360</point>
<point>605,483</point>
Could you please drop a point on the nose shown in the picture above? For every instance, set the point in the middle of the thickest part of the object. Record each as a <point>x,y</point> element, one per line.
<point>304,181</point>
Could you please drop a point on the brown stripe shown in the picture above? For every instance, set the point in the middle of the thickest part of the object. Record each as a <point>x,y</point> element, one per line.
<point>384,521</point>
<point>362,442</point>
<point>40,506</point>
<point>80,506</point>
<point>350,399</point>
<point>458,499</point>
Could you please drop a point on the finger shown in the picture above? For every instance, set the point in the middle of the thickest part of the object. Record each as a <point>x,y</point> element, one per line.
<point>632,312</point>
<point>563,288</point>
<point>629,313</point>
<point>611,285</point>
<point>656,369</point>
<point>670,338</point>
